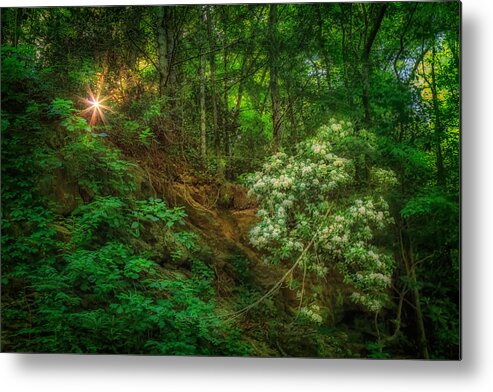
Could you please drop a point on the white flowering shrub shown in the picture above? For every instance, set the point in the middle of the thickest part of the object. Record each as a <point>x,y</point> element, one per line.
<point>313,210</point>
<point>311,313</point>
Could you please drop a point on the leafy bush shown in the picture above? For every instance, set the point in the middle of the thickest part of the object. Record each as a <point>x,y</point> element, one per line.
<point>62,108</point>
<point>95,294</point>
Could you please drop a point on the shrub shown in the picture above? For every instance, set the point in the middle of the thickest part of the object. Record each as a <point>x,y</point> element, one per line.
<point>316,213</point>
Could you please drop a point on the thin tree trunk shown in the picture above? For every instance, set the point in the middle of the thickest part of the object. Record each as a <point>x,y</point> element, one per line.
<point>292,120</point>
<point>366,62</point>
<point>225,122</point>
<point>18,25</point>
<point>345,59</point>
<point>163,50</point>
<point>441,175</point>
<point>419,314</point>
<point>203,131</point>
<point>212,66</point>
<point>410,268</point>
<point>274,83</point>
<point>401,44</point>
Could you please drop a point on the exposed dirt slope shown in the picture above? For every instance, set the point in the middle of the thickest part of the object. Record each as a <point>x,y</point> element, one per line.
<point>225,229</point>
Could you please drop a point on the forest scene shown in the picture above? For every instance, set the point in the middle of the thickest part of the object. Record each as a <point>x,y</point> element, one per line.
<point>263,180</point>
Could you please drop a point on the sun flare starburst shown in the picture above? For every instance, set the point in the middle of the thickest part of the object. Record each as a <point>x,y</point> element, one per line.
<point>95,108</point>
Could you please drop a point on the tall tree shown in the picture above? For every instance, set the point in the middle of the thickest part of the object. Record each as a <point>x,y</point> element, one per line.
<point>203,130</point>
<point>440,175</point>
<point>380,13</point>
<point>273,51</point>
<point>167,36</point>
<point>212,65</point>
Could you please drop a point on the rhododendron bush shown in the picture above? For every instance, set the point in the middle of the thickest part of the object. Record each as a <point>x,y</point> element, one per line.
<point>317,212</point>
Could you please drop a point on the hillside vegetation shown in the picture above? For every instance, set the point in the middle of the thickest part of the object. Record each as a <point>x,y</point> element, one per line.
<point>248,180</point>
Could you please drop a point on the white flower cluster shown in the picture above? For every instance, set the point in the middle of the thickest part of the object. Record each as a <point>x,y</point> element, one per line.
<point>320,148</point>
<point>372,303</point>
<point>383,178</point>
<point>312,313</point>
<point>310,196</point>
<point>337,130</point>
<point>370,211</point>
<point>346,239</point>
<point>318,269</point>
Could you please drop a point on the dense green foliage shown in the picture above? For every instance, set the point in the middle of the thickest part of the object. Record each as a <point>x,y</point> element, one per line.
<point>129,133</point>
<point>80,282</point>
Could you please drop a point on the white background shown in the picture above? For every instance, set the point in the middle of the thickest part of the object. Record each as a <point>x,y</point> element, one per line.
<point>131,373</point>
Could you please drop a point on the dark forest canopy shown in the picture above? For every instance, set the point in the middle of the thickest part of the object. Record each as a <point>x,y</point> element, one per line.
<point>232,179</point>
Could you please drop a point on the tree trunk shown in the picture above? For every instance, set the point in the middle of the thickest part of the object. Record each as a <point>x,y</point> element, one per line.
<point>441,175</point>
<point>18,25</point>
<point>345,47</point>
<point>419,314</point>
<point>212,66</point>
<point>203,134</point>
<point>292,120</point>
<point>410,268</point>
<point>166,47</point>
<point>226,122</point>
<point>274,75</point>
<point>246,64</point>
<point>366,62</point>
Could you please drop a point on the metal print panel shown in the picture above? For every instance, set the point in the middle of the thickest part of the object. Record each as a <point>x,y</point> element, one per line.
<point>268,180</point>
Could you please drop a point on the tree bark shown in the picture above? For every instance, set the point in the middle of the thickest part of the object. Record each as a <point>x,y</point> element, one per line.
<point>166,48</point>
<point>18,25</point>
<point>419,313</point>
<point>212,66</point>
<point>410,268</point>
<point>366,61</point>
<point>441,175</point>
<point>274,75</point>
<point>345,46</point>
<point>225,117</point>
<point>203,131</point>
<point>292,120</point>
